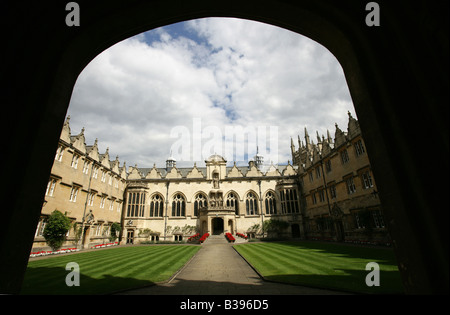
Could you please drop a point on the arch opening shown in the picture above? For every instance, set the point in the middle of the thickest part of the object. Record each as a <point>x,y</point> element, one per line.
<point>341,34</point>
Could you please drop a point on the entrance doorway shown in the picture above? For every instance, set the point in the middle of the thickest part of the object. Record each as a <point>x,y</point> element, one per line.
<point>130,236</point>
<point>295,230</point>
<point>217,226</point>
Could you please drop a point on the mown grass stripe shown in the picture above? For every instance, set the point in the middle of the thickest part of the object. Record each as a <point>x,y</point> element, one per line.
<point>323,261</point>
<point>126,262</point>
<point>332,266</point>
<point>135,267</point>
<point>176,262</point>
<point>86,264</point>
<point>287,265</point>
<point>257,259</point>
<point>302,261</point>
<point>343,257</point>
<point>107,270</point>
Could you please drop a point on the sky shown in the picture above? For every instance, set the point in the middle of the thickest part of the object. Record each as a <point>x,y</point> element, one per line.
<point>209,86</point>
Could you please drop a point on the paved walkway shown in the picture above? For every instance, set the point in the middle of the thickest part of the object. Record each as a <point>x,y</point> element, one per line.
<point>217,269</point>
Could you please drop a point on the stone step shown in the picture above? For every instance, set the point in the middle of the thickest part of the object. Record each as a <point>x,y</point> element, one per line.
<point>221,239</point>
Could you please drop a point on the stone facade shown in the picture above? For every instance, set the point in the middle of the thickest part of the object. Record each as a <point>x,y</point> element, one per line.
<point>171,203</point>
<point>83,184</point>
<point>338,189</point>
<point>328,192</point>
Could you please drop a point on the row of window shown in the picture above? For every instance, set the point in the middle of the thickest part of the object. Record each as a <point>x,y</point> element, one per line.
<point>319,195</point>
<point>361,219</point>
<point>91,196</point>
<point>136,204</point>
<point>95,230</point>
<point>359,150</point>
<point>106,176</point>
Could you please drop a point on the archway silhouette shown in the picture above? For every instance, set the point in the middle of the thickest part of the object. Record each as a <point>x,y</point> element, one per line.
<point>402,62</point>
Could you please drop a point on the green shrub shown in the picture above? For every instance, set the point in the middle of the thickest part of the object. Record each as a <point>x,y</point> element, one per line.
<point>56,229</point>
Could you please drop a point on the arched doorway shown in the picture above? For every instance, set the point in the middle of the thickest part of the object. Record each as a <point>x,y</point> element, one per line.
<point>401,54</point>
<point>217,226</point>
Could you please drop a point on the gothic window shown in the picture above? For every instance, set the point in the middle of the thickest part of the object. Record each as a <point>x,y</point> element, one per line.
<point>199,203</point>
<point>283,203</point>
<point>75,159</point>
<point>251,204</point>
<point>178,206</point>
<point>328,165</point>
<point>86,167</point>
<point>59,153</point>
<point>95,172</point>
<point>289,201</point>
<point>351,188</point>
<point>50,187</point>
<point>102,202</point>
<point>359,147</point>
<point>74,193</point>
<point>318,172</point>
<point>321,195</point>
<point>271,203</point>
<point>156,206</point>
<point>91,198</point>
<point>136,204</point>
<point>367,180</point>
<point>378,218</point>
<point>333,192</point>
<point>232,201</point>
<point>344,156</point>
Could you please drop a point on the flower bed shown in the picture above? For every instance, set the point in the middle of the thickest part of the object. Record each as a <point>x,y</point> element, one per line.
<point>242,235</point>
<point>204,237</point>
<point>230,237</point>
<point>60,251</point>
<point>193,237</point>
<point>105,245</point>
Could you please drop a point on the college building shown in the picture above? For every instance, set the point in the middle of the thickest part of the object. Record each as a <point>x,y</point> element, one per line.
<point>328,192</point>
<point>338,192</point>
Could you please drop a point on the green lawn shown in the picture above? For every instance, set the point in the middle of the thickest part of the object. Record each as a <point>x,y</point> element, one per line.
<point>324,265</point>
<point>107,270</point>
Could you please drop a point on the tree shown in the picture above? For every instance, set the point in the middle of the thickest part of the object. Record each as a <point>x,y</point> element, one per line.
<point>115,229</point>
<point>56,229</point>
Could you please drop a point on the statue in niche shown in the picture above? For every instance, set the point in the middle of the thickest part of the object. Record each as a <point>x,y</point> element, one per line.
<point>216,180</point>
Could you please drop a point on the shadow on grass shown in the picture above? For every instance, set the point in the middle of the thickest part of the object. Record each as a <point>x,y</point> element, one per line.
<point>52,281</point>
<point>350,281</point>
<point>347,250</point>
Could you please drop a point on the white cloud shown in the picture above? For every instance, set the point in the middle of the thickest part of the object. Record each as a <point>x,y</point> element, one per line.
<point>230,72</point>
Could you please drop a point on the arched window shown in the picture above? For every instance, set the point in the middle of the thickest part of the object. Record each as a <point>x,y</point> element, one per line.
<point>178,206</point>
<point>233,201</point>
<point>199,203</point>
<point>251,204</point>
<point>156,206</point>
<point>271,203</point>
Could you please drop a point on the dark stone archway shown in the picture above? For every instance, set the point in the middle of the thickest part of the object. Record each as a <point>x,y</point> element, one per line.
<point>217,226</point>
<point>397,75</point>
